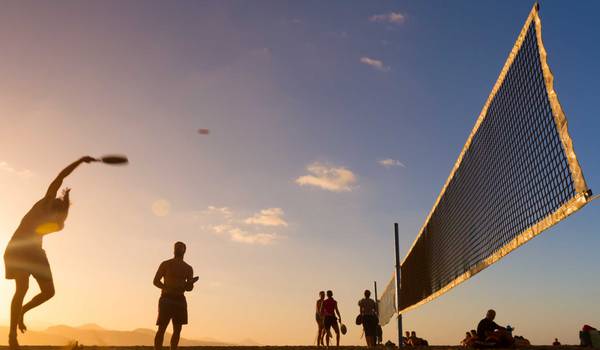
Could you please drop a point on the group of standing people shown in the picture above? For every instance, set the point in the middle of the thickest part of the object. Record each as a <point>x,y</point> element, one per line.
<point>327,315</point>
<point>25,257</point>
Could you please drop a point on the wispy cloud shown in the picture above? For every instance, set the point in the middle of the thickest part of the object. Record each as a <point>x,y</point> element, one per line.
<point>224,211</point>
<point>335,179</point>
<point>389,163</point>
<point>22,173</point>
<point>222,222</point>
<point>241,236</point>
<point>392,17</point>
<point>267,217</point>
<point>375,63</point>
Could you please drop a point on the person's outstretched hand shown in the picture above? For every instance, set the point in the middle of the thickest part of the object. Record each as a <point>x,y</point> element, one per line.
<point>88,159</point>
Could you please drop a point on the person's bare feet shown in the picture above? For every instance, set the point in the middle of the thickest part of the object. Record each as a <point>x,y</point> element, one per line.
<point>22,326</point>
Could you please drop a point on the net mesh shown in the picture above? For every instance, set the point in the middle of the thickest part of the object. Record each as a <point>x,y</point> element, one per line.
<point>513,174</point>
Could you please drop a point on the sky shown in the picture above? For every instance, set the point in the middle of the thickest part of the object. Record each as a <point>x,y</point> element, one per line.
<point>329,121</point>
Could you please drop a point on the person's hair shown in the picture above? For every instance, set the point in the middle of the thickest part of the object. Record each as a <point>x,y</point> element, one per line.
<point>63,202</point>
<point>321,293</point>
<point>413,333</point>
<point>367,293</point>
<point>329,293</point>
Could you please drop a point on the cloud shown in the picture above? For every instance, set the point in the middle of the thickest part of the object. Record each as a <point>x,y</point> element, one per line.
<point>241,236</point>
<point>223,211</point>
<point>220,229</point>
<point>328,178</point>
<point>377,64</point>
<point>267,217</point>
<point>392,17</point>
<point>22,173</point>
<point>222,221</point>
<point>389,163</point>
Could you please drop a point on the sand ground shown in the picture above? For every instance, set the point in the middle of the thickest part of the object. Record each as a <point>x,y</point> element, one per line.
<point>265,348</point>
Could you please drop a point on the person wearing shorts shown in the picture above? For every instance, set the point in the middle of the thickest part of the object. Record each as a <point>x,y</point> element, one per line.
<point>368,312</point>
<point>330,310</point>
<point>24,256</point>
<point>174,277</point>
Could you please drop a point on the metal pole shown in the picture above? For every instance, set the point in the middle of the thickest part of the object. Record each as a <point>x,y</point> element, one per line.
<point>376,298</point>
<point>377,338</point>
<point>400,345</point>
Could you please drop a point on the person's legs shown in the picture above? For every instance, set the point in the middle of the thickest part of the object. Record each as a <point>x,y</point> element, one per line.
<point>16,306</point>
<point>160,335</point>
<point>336,329</point>
<point>327,329</point>
<point>319,333</point>
<point>370,341</point>
<point>175,336</point>
<point>46,293</point>
<point>322,335</point>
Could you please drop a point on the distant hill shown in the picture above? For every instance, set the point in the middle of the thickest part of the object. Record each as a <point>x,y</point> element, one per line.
<point>92,334</point>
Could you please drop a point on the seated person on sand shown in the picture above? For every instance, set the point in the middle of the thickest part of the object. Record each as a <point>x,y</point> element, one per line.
<point>521,342</point>
<point>585,335</point>
<point>490,332</point>
<point>556,342</point>
<point>406,338</point>
<point>474,341</point>
<point>467,341</point>
<point>416,341</point>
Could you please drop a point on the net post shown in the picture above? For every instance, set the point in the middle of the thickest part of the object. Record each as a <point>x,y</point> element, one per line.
<point>376,297</point>
<point>400,343</point>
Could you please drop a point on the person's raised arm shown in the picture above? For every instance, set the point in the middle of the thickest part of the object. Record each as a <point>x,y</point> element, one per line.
<point>160,273</point>
<point>55,185</point>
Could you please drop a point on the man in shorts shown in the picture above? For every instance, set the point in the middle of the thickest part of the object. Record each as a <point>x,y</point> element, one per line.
<point>330,310</point>
<point>174,277</point>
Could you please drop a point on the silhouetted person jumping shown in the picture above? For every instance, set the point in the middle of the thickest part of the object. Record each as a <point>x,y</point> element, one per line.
<point>174,277</point>
<point>24,255</point>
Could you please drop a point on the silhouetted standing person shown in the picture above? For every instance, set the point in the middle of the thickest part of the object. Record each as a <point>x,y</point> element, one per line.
<point>319,318</point>
<point>174,277</point>
<point>24,255</point>
<point>368,313</point>
<point>330,310</point>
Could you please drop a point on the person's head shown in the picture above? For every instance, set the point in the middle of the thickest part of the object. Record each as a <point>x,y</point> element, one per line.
<point>329,294</point>
<point>473,332</point>
<point>413,334</point>
<point>322,295</point>
<point>491,314</point>
<point>179,249</point>
<point>556,339</point>
<point>60,206</point>
<point>367,293</point>
<point>407,333</point>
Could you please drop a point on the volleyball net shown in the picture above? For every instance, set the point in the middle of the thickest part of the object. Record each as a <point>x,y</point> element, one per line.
<point>516,176</point>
